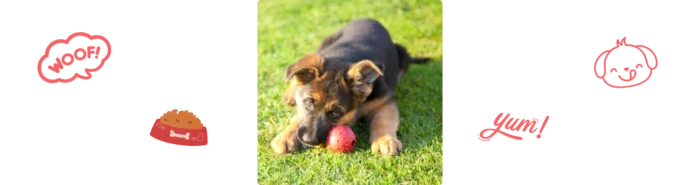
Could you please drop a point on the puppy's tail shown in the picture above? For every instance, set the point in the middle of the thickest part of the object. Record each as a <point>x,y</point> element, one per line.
<point>405,60</point>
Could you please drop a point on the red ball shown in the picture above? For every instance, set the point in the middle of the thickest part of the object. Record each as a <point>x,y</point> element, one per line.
<point>340,139</point>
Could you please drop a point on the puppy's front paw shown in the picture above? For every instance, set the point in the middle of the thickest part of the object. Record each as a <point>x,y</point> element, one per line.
<point>387,145</point>
<point>285,143</point>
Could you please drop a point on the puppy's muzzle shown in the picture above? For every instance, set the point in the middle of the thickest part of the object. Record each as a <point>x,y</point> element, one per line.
<point>307,136</point>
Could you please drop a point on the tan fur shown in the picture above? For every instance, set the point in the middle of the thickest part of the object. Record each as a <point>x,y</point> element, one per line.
<point>384,124</point>
<point>288,96</point>
<point>286,141</point>
<point>329,105</point>
<point>363,75</point>
<point>374,105</point>
<point>347,118</point>
<point>316,95</point>
<point>361,69</point>
<point>303,71</point>
<point>306,69</point>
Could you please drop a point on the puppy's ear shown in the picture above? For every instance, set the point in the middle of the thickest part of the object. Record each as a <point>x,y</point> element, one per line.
<point>361,76</point>
<point>306,69</point>
<point>650,56</point>
<point>600,64</point>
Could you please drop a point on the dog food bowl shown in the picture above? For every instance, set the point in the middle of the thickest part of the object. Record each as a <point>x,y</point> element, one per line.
<point>179,136</point>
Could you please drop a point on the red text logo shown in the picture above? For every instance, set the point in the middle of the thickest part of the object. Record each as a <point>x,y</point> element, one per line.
<point>516,126</point>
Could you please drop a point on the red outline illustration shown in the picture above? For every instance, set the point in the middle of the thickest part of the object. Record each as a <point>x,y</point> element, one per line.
<point>632,71</point>
<point>88,72</point>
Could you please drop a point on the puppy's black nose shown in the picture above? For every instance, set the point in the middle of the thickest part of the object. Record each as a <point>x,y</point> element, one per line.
<point>627,68</point>
<point>306,136</point>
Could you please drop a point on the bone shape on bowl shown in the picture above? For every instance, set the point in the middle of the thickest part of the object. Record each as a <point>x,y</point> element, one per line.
<point>185,136</point>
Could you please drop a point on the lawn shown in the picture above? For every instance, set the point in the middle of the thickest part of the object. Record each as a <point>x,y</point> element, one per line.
<point>289,29</point>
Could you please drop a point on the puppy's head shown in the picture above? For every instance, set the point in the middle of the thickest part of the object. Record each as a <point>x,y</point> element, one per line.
<point>328,94</point>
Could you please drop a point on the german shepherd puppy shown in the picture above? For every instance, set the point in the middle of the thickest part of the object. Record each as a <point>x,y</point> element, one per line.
<point>352,76</point>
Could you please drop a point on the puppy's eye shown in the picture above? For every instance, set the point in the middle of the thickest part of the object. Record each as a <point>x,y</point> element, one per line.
<point>639,65</point>
<point>613,69</point>
<point>337,112</point>
<point>309,103</point>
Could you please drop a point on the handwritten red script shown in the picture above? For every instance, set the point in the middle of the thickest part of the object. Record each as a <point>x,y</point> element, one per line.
<point>513,126</point>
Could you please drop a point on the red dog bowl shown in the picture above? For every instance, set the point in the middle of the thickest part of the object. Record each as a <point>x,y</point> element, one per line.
<point>179,136</point>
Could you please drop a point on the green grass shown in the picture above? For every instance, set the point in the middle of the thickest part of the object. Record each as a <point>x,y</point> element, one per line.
<point>289,29</point>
